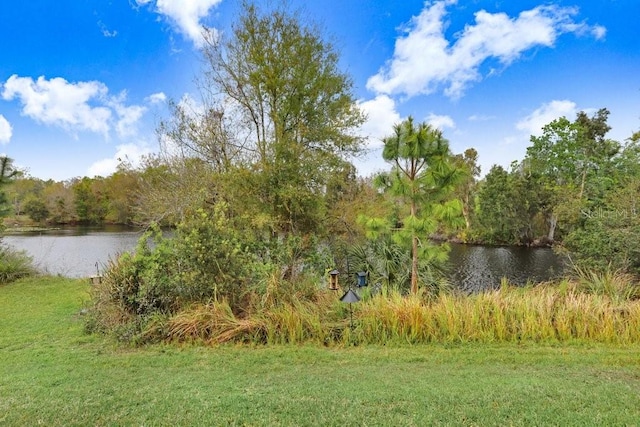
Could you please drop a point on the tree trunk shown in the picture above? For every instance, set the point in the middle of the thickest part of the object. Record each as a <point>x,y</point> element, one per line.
<point>582,181</point>
<point>414,254</point>
<point>553,221</point>
<point>466,212</point>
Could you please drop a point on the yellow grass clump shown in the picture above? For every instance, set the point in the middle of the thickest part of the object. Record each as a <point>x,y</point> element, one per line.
<point>543,313</point>
<point>590,309</point>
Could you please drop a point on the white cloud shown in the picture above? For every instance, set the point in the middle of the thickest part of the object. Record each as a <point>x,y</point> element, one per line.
<point>440,122</point>
<point>191,106</point>
<point>60,103</point>
<point>105,31</point>
<point>75,107</point>
<point>5,130</point>
<point>128,116</point>
<point>186,15</point>
<point>424,60</point>
<point>480,118</point>
<point>156,98</point>
<point>599,32</point>
<point>131,153</point>
<point>381,116</point>
<point>545,114</point>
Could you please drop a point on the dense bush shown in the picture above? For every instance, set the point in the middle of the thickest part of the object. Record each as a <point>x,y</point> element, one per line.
<point>14,265</point>
<point>607,242</point>
<point>562,312</point>
<point>203,260</point>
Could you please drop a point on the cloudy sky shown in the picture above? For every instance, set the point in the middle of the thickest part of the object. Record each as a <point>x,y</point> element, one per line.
<point>85,83</point>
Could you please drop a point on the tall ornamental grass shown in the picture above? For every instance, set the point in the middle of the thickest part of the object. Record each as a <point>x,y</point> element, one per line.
<point>283,313</point>
<point>544,313</point>
<point>281,309</point>
<point>547,313</point>
<point>216,323</point>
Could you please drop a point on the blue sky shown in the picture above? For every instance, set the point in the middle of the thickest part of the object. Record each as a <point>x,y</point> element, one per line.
<point>85,83</point>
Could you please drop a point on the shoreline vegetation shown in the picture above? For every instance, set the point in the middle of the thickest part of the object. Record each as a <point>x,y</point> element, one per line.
<point>55,374</point>
<point>142,298</point>
<point>229,321</point>
<point>587,309</point>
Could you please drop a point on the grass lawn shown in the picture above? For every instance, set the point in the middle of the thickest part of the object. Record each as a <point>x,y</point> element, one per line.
<point>51,374</point>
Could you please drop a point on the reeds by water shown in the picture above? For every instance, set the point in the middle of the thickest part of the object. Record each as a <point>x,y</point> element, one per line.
<point>215,323</point>
<point>546,313</point>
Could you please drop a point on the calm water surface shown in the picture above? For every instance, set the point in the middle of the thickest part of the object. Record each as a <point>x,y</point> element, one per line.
<point>477,267</point>
<point>74,252</point>
<point>83,251</point>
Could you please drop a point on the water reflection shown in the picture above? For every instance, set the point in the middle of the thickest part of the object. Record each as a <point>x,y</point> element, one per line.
<point>74,251</point>
<point>474,268</point>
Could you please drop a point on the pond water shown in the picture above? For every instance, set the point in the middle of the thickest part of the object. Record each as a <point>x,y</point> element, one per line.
<point>75,251</point>
<point>85,251</point>
<point>478,267</point>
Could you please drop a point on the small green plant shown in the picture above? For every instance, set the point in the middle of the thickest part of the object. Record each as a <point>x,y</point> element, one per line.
<point>14,265</point>
<point>615,284</point>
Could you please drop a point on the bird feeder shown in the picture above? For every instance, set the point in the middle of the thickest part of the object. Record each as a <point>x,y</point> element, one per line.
<point>97,279</point>
<point>333,280</point>
<point>362,278</point>
<point>350,297</point>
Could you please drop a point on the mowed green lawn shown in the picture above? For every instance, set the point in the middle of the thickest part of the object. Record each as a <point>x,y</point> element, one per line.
<point>52,374</point>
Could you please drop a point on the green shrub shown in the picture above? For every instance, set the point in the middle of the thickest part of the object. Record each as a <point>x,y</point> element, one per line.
<point>615,284</point>
<point>389,265</point>
<point>14,265</point>
<point>211,260</point>
<point>202,261</point>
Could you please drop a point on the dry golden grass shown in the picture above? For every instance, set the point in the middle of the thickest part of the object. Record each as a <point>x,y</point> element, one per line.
<point>545,313</point>
<point>595,308</point>
<point>268,322</point>
<point>540,314</point>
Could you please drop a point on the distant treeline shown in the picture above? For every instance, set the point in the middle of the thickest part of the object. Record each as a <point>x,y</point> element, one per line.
<point>575,188</point>
<point>76,201</point>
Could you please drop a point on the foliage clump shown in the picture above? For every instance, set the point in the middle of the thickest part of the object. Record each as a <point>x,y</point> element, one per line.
<point>14,265</point>
<point>203,260</point>
<point>264,201</point>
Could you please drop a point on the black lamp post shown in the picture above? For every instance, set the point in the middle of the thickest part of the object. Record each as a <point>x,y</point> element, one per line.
<point>350,297</point>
